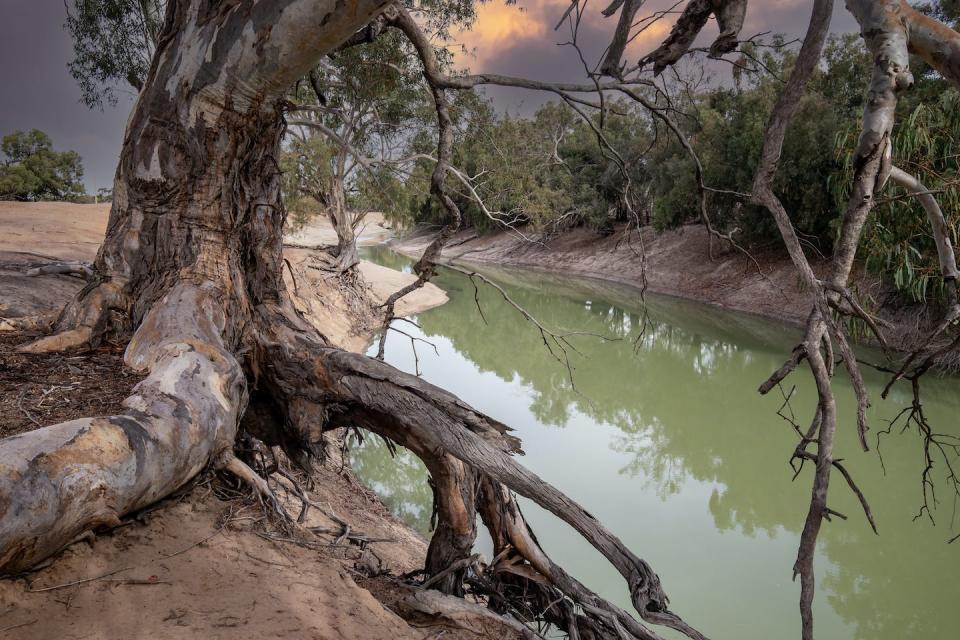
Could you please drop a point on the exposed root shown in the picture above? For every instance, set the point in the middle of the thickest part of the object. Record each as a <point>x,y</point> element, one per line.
<point>469,457</point>
<point>459,613</point>
<point>63,341</point>
<point>72,268</point>
<point>41,322</point>
<point>60,481</point>
<point>84,321</point>
<point>239,468</point>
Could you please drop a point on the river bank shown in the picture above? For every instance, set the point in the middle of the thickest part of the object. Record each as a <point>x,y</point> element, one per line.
<point>196,565</point>
<point>677,263</point>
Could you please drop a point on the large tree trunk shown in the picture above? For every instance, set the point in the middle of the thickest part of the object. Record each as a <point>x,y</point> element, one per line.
<point>193,248</point>
<point>342,220</point>
<point>192,263</point>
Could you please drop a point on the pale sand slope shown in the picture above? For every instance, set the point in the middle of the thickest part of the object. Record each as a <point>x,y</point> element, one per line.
<point>54,229</point>
<point>34,231</point>
<point>678,263</point>
<point>205,581</point>
<point>319,232</point>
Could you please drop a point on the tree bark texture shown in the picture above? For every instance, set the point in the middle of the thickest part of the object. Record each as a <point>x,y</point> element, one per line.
<point>193,247</point>
<point>192,264</point>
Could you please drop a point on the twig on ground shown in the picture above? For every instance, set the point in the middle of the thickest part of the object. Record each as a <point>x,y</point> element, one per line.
<point>83,581</point>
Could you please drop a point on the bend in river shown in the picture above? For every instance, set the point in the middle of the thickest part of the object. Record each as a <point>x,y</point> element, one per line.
<point>662,435</point>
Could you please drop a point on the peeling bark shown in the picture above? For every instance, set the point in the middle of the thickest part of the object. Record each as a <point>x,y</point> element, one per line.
<point>58,482</point>
<point>936,43</point>
<point>192,262</point>
<point>730,15</point>
<point>193,245</point>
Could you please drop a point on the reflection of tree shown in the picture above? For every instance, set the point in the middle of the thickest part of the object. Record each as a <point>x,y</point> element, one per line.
<point>606,378</point>
<point>401,482</point>
<point>686,408</point>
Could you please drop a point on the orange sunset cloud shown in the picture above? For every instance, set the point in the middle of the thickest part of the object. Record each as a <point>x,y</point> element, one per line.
<point>500,26</point>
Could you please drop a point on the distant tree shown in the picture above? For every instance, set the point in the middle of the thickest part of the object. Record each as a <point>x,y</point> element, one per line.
<point>105,194</point>
<point>32,170</point>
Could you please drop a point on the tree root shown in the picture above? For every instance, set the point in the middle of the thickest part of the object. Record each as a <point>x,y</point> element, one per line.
<point>41,322</point>
<point>469,457</point>
<point>83,322</point>
<point>460,613</point>
<point>185,415</point>
<point>60,481</point>
<point>63,341</point>
<point>241,470</point>
<point>72,268</point>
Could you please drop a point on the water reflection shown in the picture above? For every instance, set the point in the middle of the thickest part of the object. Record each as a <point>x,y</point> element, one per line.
<point>669,444</point>
<point>398,479</point>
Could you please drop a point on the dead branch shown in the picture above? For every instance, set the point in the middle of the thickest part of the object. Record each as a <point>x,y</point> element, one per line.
<point>77,268</point>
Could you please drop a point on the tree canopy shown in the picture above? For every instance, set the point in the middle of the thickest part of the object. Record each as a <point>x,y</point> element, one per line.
<point>113,44</point>
<point>193,261</point>
<point>32,170</point>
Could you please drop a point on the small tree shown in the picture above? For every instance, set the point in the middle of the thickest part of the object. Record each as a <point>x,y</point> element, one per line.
<point>32,170</point>
<point>357,107</point>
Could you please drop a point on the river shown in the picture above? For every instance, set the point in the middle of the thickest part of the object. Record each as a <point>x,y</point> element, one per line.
<point>667,442</point>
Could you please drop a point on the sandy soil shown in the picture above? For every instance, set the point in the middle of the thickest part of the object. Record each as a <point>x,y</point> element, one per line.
<point>34,232</point>
<point>195,566</point>
<point>678,264</point>
<point>55,229</point>
<point>373,230</point>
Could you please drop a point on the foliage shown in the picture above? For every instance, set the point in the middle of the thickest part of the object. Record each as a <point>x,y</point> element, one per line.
<point>113,44</point>
<point>306,173</point>
<point>114,40</point>
<point>897,241</point>
<point>369,97</point>
<point>552,168</point>
<point>728,138</point>
<point>32,170</point>
<point>544,171</point>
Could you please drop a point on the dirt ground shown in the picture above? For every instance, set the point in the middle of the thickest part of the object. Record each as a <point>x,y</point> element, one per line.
<point>197,565</point>
<point>37,232</point>
<point>372,230</point>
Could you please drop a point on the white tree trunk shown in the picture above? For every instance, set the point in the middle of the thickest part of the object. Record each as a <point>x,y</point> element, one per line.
<point>193,246</point>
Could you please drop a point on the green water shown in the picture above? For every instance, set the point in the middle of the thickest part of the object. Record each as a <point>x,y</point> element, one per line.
<point>669,444</point>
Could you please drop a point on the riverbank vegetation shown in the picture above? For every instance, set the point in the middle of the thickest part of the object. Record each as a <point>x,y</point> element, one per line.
<point>549,171</point>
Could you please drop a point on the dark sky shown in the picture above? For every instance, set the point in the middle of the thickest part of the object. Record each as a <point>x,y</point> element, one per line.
<point>38,91</point>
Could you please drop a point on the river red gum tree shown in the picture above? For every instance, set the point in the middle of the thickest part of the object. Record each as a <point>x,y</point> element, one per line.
<point>191,264</point>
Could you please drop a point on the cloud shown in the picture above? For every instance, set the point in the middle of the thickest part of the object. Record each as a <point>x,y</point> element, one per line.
<point>515,40</point>
<point>520,40</point>
<point>500,25</point>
